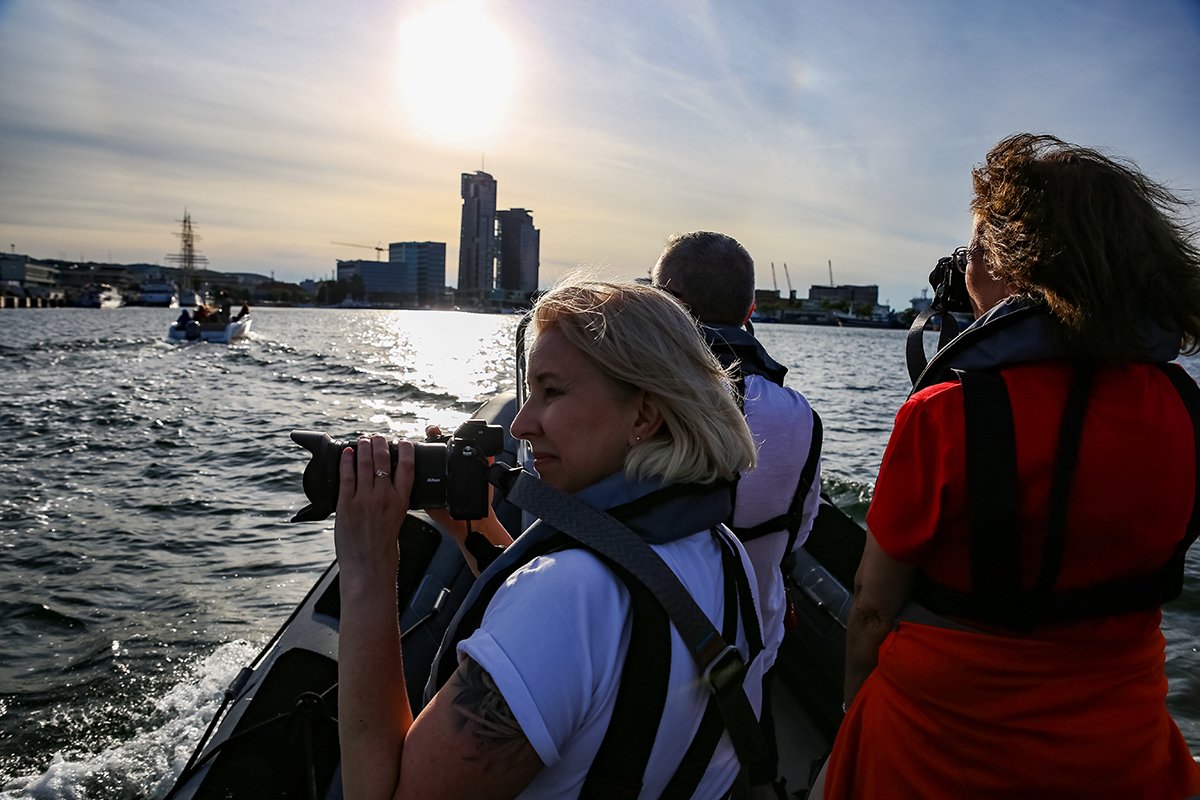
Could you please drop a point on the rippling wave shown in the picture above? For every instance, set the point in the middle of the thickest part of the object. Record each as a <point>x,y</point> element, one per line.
<point>148,488</point>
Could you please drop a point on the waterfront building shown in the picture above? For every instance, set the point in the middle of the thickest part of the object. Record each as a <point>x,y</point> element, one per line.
<point>520,252</point>
<point>376,277</point>
<point>848,294</point>
<point>919,304</point>
<point>420,269</point>
<point>477,238</point>
<point>844,304</point>
<point>27,277</point>
<point>413,276</point>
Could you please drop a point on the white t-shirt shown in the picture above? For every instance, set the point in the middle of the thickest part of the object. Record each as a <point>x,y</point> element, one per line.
<point>781,422</point>
<point>554,639</point>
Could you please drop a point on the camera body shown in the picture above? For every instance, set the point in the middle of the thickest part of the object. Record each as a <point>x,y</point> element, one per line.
<point>448,472</point>
<point>949,281</point>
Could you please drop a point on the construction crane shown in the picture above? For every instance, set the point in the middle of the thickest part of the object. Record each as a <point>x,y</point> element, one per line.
<point>774,282</point>
<point>378,249</point>
<point>791,291</point>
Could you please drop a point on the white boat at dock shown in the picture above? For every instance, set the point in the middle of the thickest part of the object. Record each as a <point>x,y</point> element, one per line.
<point>159,292</point>
<point>100,295</point>
<point>196,331</point>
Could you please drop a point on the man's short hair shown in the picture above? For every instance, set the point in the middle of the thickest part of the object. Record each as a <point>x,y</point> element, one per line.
<point>711,272</point>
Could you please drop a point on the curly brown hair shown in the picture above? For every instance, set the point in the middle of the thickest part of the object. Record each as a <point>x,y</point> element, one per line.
<point>1100,243</point>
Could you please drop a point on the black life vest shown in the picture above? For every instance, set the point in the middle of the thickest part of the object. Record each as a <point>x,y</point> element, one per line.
<point>996,596</point>
<point>738,350</point>
<point>735,346</point>
<point>619,767</point>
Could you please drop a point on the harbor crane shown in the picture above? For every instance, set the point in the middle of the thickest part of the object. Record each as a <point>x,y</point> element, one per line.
<point>774,281</point>
<point>791,291</point>
<point>377,248</point>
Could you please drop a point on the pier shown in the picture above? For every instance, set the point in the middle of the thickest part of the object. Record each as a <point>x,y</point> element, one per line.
<point>11,301</point>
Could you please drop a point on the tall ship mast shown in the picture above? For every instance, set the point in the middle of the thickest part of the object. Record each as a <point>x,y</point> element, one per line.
<point>187,259</point>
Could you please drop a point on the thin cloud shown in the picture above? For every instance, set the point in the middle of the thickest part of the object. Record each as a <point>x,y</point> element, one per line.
<point>813,131</point>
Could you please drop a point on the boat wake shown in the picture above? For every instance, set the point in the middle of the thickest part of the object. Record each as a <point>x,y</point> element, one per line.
<point>145,765</point>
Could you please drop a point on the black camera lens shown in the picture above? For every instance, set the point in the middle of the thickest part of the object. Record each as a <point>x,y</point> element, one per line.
<point>450,474</point>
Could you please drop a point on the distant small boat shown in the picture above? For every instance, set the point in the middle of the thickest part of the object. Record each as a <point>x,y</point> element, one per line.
<point>846,320</point>
<point>100,295</point>
<point>159,292</point>
<point>196,331</point>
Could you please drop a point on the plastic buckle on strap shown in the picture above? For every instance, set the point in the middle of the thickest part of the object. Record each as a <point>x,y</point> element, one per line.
<point>724,672</point>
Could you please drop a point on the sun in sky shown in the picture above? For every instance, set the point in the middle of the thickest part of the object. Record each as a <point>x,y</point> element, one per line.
<point>456,72</point>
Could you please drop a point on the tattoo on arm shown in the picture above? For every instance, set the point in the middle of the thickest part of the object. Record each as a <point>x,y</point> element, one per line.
<point>486,715</point>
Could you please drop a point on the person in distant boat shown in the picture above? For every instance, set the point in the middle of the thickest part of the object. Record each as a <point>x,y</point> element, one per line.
<point>226,308</point>
<point>627,411</point>
<point>713,275</point>
<point>245,312</point>
<point>1034,506</point>
<point>202,313</point>
<point>184,318</point>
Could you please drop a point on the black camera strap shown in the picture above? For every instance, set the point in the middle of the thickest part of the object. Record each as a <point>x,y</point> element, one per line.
<point>1017,330</point>
<point>720,663</point>
<point>914,346</point>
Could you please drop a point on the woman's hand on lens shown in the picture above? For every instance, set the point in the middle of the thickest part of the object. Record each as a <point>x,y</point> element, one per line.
<point>371,508</point>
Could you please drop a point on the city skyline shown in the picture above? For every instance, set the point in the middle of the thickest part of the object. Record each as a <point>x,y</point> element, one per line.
<point>812,131</point>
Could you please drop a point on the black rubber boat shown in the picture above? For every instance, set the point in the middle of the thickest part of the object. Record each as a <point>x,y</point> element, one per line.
<point>275,735</point>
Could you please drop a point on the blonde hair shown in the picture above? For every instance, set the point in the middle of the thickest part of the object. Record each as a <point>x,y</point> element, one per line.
<point>641,338</point>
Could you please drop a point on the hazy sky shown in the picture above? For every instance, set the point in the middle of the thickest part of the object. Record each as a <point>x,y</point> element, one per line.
<point>811,130</point>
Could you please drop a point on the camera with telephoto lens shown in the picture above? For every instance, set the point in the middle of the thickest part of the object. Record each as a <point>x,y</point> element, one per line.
<point>448,471</point>
<point>949,282</point>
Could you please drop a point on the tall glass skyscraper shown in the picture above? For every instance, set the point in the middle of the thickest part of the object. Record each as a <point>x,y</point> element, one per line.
<point>477,237</point>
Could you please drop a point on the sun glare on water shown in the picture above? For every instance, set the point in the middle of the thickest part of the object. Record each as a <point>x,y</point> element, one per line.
<point>456,70</point>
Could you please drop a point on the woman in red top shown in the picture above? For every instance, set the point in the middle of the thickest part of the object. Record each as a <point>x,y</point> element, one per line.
<point>1034,505</point>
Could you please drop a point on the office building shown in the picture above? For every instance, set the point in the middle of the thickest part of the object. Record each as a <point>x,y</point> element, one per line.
<point>850,294</point>
<point>477,238</point>
<point>414,274</point>
<point>421,267</point>
<point>378,278</point>
<point>520,249</point>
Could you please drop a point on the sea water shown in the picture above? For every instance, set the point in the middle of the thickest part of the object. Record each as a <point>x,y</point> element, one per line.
<point>146,489</point>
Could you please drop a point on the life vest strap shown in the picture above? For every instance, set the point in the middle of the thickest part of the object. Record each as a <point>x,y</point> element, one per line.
<point>1189,392</point>
<point>996,596</point>
<point>1070,438</point>
<point>699,755</point>
<point>604,535</point>
<point>618,770</point>
<point>793,518</point>
<point>993,494</point>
